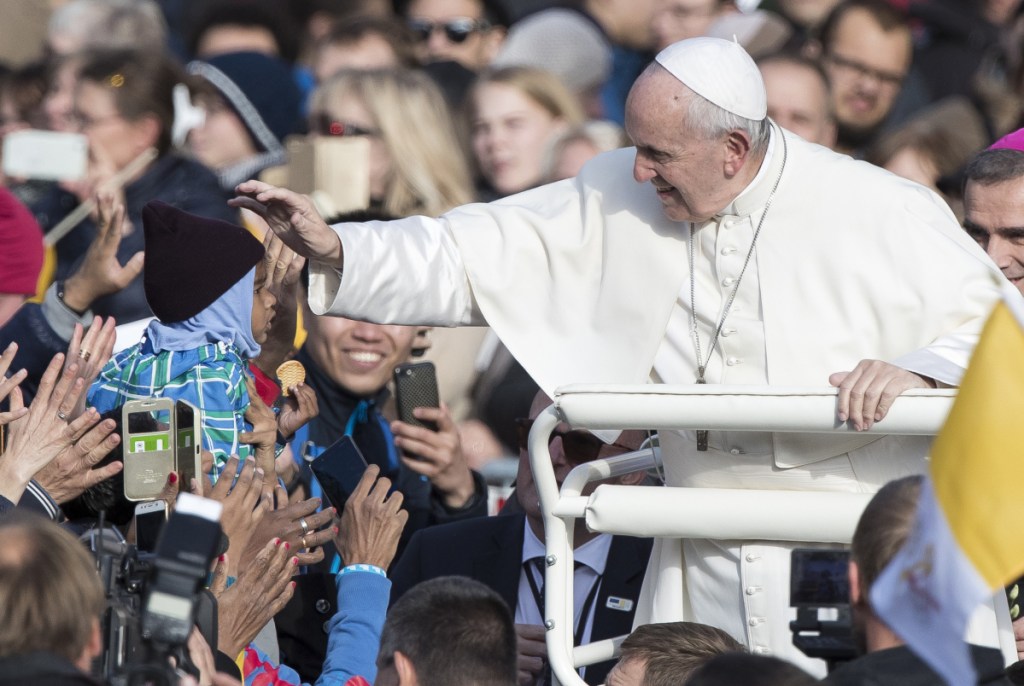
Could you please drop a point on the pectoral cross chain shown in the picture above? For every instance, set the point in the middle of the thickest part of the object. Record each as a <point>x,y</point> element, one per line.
<point>702,434</point>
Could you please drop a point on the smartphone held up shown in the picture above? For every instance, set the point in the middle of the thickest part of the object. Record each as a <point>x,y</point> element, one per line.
<point>161,436</point>
<point>416,386</point>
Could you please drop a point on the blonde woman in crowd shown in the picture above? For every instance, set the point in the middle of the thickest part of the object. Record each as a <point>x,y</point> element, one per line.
<point>514,115</point>
<point>416,164</point>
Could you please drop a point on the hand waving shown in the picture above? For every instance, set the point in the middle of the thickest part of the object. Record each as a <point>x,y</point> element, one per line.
<point>293,218</point>
<point>101,272</point>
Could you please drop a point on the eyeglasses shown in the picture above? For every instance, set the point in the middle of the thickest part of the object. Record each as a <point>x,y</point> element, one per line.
<point>455,30</point>
<point>886,78</point>
<point>326,125</point>
<point>579,446</point>
<point>83,121</point>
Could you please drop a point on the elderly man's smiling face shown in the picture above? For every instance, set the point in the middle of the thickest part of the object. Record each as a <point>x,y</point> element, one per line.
<point>687,172</point>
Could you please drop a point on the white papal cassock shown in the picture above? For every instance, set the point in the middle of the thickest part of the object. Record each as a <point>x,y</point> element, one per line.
<point>586,281</point>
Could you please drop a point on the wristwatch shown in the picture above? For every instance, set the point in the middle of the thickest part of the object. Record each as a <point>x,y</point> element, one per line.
<point>60,296</point>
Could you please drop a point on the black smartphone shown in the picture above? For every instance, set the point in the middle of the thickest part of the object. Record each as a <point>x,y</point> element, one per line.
<point>339,469</point>
<point>149,522</point>
<point>416,386</point>
<point>187,457</point>
<point>819,578</point>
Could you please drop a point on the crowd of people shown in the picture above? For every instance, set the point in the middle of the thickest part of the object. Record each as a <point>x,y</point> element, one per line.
<point>527,194</point>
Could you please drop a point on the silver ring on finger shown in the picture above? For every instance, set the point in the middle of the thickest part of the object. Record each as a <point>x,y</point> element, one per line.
<point>61,416</point>
<point>304,525</point>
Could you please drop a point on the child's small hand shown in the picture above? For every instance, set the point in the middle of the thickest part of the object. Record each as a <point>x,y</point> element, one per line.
<point>298,408</point>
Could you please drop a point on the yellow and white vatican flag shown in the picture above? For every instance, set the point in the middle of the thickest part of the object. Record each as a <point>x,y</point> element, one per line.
<point>966,543</point>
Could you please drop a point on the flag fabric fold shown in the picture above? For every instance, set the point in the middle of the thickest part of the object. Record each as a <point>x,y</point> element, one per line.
<point>965,541</point>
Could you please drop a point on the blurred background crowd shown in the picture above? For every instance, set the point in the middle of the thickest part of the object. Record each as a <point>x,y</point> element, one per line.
<point>377,110</point>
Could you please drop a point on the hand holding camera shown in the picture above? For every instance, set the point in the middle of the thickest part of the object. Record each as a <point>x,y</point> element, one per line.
<point>427,435</point>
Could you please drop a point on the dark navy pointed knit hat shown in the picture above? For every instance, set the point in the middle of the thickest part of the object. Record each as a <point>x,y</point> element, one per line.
<point>191,260</point>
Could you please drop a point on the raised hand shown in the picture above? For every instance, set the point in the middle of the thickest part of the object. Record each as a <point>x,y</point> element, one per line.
<point>298,524</point>
<point>283,268</point>
<point>46,430</point>
<point>72,472</point>
<point>9,385</point>
<point>297,408</point>
<point>91,352</point>
<point>372,522</point>
<point>263,435</point>
<point>282,265</point>
<point>241,515</point>
<point>293,218</point>
<point>101,273</point>
<point>261,591</point>
<point>436,455</point>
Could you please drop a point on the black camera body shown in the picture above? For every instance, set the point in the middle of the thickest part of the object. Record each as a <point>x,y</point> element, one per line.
<point>819,580</point>
<point>154,600</point>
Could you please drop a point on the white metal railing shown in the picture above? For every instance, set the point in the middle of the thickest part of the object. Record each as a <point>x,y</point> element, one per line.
<point>674,512</point>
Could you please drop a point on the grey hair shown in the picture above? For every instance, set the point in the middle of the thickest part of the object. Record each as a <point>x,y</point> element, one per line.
<point>990,167</point>
<point>709,121</point>
<point>110,24</point>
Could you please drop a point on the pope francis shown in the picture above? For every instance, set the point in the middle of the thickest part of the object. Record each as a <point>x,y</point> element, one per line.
<point>720,249</point>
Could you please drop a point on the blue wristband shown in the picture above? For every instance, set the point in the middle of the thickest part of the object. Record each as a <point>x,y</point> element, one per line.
<point>373,569</point>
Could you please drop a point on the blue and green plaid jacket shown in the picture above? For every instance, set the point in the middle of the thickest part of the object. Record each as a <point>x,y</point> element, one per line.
<point>211,377</point>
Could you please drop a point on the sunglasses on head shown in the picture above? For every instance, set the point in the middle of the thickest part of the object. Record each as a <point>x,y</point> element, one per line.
<point>455,30</point>
<point>579,446</point>
<point>326,125</point>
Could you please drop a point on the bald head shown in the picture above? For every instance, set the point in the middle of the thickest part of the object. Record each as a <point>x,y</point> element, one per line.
<point>798,98</point>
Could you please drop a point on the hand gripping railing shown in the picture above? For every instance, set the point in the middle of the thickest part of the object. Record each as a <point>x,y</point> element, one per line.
<point>688,512</point>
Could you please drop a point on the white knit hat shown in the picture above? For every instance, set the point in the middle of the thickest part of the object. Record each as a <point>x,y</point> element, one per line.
<point>719,70</point>
<point>563,42</point>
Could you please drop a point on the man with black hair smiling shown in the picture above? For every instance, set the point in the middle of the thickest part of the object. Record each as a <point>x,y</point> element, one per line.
<point>349,364</point>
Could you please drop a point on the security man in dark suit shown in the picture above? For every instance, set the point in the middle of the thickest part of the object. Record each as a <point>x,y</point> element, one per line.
<point>506,553</point>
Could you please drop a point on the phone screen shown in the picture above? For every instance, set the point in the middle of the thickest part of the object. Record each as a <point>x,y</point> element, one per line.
<point>819,578</point>
<point>185,423</point>
<point>149,521</point>
<point>149,431</point>
<point>339,469</point>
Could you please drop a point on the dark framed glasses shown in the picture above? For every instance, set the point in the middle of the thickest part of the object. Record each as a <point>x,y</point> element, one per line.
<point>326,125</point>
<point>455,30</point>
<point>579,446</point>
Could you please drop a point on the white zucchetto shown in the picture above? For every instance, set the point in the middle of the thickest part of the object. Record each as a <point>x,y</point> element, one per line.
<point>719,70</point>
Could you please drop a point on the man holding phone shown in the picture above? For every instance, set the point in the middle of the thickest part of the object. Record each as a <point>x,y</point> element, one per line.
<point>349,364</point>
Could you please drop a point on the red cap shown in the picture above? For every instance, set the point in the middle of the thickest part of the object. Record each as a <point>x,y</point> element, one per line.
<point>21,258</point>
